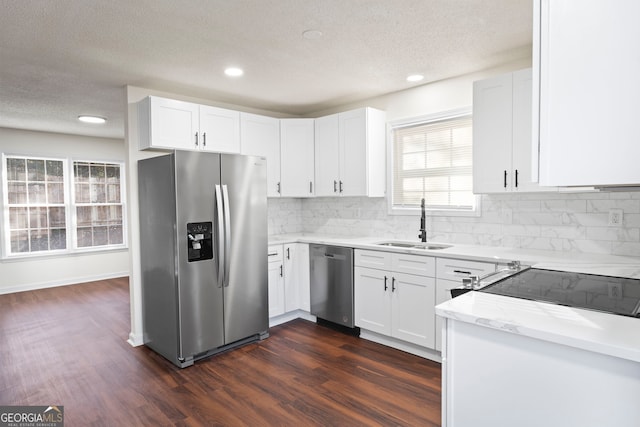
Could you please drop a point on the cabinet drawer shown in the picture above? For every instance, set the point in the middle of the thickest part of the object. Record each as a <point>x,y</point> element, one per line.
<point>274,253</point>
<point>414,264</point>
<point>456,270</point>
<point>372,259</point>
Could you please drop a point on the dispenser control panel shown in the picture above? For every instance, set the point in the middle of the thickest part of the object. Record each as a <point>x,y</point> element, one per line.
<point>200,241</point>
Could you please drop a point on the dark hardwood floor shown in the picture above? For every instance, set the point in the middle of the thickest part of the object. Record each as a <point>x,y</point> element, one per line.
<point>66,346</point>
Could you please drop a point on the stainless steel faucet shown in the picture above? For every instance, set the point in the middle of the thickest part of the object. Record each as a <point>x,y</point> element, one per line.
<point>423,223</point>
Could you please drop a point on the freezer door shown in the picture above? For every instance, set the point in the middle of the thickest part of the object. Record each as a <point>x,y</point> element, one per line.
<point>244,182</point>
<point>199,292</point>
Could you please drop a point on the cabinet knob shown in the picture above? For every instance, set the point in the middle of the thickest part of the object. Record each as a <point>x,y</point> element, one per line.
<point>204,139</point>
<point>341,186</point>
<point>196,139</point>
<point>385,283</point>
<point>335,186</point>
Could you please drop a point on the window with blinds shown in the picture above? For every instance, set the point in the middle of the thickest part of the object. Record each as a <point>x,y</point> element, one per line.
<point>432,159</point>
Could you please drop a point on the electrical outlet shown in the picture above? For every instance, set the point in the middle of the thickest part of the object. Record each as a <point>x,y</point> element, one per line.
<point>615,217</point>
<point>615,291</point>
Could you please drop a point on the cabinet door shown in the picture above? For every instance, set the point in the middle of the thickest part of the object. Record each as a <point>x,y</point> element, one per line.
<point>219,129</point>
<point>297,157</point>
<point>276,280</point>
<point>296,277</point>
<point>412,308</point>
<point>353,153</point>
<point>589,91</point>
<point>304,282</point>
<point>522,141</point>
<point>174,124</point>
<point>260,136</point>
<point>327,148</point>
<point>372,299</point>
<point>492,134</point>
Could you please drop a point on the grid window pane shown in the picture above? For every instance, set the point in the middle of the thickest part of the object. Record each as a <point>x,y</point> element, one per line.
<point>98,193</point>
<point>83,193</point>
<point>35,170</point>
<point>17,193</point>
<point>58,238</point>
<point>100,236</point>
<point>115,235</point>
<point>83,214</point>
<point>39,240</point>
<point>57,217</point>
<point>18,218</point>
<point>20,241</point>
<point>55,193</point>
<point>37,194</point>
<point>113,193</point>
<point>55,171</point>
<point>85,237</point>
<point>17,169</point>
<point>38,218</point>
<point>81,172</point>
<point>433,160</point>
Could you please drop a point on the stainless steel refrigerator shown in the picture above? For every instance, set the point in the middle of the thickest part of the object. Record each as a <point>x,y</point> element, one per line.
<point>203,253</point>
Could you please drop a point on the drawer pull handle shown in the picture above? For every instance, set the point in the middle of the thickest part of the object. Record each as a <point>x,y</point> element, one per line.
<point>468,273</point>
<point>385,283</point>
<point>273,254</point>
<point>393,284</point>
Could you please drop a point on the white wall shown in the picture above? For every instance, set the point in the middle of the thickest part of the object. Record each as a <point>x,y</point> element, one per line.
<point>46,271</point>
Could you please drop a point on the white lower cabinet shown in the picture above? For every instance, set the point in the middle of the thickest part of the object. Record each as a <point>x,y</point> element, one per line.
<point>276,281</point>
<point>296,277</point>
<point>398,300</point>
<point>289,282</point>
<point>449,274</point>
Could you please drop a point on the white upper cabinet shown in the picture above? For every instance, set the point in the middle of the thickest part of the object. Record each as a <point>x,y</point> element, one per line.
<point>502,134</point>
<point>220,129</point>
<point>350,154</point>
<point>586,69</point>
<point>168,124</point>
<point>260,136</point>
<point>296,157</point>
<point>327,147</point>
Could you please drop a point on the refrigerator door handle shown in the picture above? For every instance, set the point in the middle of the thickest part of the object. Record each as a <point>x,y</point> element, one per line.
<point>221,237</point>
<point>227,234</point>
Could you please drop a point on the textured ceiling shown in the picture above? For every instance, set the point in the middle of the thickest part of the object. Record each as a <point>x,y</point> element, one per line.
<point>62,58</point>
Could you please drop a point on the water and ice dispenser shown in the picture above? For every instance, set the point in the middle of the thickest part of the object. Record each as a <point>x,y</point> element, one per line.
<point>199,241</point>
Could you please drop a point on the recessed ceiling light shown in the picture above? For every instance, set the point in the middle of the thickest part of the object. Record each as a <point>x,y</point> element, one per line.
<point>312,34</point>
<point>92,119</point>
<point>234,72</point>
<point>415,77</point>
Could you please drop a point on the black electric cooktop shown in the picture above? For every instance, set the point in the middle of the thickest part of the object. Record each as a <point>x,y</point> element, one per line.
<point>602,293</point>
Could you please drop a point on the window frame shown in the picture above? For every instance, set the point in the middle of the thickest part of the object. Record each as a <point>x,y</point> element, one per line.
<point>70,206</point>
<point>413,121</point>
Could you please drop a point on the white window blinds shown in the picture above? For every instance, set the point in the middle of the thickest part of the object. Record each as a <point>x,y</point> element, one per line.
<point>433,160</point>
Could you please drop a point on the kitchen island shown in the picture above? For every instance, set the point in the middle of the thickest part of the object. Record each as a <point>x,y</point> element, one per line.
<point>510,361</point>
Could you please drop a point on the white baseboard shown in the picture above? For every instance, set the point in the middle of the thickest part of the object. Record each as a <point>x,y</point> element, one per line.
<point>66,282</point>
<point>135,340</point>
<point>291,315</point>
<point>408,347</point>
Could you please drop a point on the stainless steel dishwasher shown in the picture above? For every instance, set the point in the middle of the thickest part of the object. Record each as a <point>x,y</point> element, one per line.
<point>332,284</point>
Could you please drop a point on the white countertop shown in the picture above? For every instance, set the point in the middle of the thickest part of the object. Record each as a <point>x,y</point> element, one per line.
<point>594,331</point>
<point>608,265</point>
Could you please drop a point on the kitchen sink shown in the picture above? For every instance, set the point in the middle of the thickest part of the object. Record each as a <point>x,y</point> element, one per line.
<point>415,245</point>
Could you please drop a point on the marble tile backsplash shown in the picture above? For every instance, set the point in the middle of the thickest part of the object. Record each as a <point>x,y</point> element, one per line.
<point>569,222</point>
